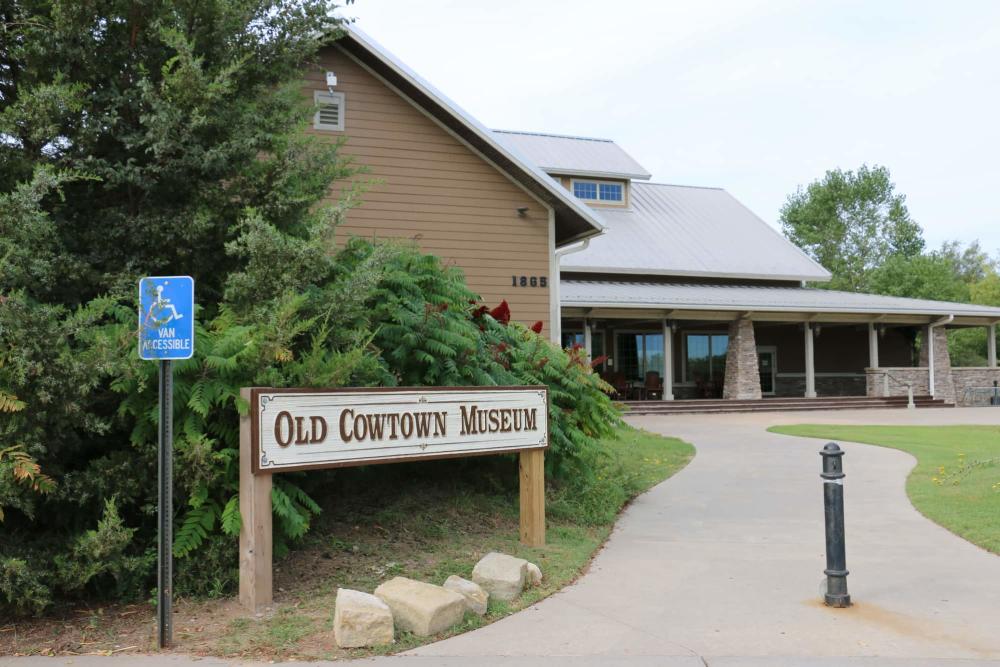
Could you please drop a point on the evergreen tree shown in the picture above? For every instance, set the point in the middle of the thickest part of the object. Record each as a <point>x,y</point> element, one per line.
<point>143,131</point>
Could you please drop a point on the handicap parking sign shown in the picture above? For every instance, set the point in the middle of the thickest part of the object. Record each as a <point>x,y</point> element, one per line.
<point>166,317</point>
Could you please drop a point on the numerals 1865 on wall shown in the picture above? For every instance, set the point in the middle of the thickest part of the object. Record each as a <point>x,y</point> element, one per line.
<point>529,281</point>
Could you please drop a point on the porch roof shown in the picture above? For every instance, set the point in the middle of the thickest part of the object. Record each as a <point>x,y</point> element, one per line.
<point>611,298</point>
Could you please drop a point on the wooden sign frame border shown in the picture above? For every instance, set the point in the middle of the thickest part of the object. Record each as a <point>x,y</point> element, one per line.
<point>255,393</point>
<point>256,548</point>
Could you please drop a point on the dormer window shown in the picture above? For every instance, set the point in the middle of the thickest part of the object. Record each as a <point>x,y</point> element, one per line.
<point>608,192</point>
<point>585,190</point>
<point>329,111</point>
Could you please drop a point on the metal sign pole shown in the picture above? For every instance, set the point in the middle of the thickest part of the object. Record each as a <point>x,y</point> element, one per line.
<point>166,332</point>
<point>165,577</point>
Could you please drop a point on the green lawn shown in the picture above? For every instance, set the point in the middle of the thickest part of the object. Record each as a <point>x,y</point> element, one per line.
<point>424,521</point>
<point>957,478</point>
<point>430,530</point>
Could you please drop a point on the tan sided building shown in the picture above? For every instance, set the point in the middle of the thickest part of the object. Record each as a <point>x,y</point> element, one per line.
<point>677,292</point>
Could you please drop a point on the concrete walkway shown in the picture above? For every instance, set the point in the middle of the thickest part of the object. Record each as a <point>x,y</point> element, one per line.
<point>726,559</point>
<point>722,565</point>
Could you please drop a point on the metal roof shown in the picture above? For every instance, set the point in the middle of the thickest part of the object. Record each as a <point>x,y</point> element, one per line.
<point>574,156</point>
<point>750,298</point>
<point>574,219</point>
<point>691,231</point>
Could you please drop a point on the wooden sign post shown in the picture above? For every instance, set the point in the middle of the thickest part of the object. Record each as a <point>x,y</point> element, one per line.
<point>304,429</point>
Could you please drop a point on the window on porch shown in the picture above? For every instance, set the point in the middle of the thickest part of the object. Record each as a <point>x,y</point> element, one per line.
<point>638,353</point>
<point>705,358</point>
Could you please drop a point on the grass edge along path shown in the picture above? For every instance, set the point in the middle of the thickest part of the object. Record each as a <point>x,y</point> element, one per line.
<point>956,482</point>
<point>424,530</point>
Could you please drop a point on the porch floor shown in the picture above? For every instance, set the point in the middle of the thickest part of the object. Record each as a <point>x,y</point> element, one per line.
<point>778,404</point>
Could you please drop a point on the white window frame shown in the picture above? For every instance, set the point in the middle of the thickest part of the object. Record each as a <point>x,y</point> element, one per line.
<point>621,186</point>
<point>326,97</point>
<point>597,191</point>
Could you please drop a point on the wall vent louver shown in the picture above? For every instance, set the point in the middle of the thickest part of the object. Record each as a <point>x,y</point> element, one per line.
<point>329,111</point>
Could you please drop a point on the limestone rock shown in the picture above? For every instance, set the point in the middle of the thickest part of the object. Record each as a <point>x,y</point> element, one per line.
<point>360,619</point>
<point>420,608</point>
<point>501,575</point>
<point>534,574</point>
<point>475,597</point>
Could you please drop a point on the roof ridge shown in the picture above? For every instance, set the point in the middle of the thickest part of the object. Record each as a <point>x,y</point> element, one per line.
<point>681,185</point>
<point>556,136</point>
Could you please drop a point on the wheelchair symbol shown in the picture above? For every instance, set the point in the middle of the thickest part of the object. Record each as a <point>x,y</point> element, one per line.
<point>159,307</point>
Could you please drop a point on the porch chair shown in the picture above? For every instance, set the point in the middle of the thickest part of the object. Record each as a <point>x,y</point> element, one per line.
<point>617,380</point>
<point>653,388</point>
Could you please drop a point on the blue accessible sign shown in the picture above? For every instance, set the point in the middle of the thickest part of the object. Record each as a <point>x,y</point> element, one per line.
<point>166,318</point>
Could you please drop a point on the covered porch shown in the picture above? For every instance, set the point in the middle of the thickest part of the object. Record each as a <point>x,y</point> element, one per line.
<point>669,341</point>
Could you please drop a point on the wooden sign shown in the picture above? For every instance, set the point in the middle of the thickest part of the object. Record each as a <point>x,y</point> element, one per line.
<point>302,429</point>
<point>297,429</point>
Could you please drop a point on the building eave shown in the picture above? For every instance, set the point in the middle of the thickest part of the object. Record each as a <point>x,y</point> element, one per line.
<point>629,271</point>
<point>560,171</point>
<point>574,219</point>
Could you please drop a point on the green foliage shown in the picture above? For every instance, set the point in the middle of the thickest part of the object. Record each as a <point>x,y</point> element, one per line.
<point>927,276</point>
<point>101,558</point>
<point>579,409</point>
<point>851,222</point>
<point>21,587</point>
<point>857,227</point>
<point>21,480</point>
<point>161,122</point>
<point>139,139</point>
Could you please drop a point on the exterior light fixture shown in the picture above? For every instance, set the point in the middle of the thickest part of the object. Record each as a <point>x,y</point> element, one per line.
<point>331,81</point>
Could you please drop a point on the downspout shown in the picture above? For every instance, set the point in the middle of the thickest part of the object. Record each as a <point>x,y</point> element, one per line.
<point>930,349</point>
<point>554,291</point>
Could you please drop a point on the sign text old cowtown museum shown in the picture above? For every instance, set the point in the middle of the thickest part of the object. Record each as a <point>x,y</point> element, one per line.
<point>301,429</point>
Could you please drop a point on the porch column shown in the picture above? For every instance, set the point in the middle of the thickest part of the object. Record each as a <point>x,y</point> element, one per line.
<point>588,343</point>
<point>991,346</point>
<point>934,354</point>
<point>872,345</point>
<point>810,362</point>
<point>742,379</point>
<point>668,361</point>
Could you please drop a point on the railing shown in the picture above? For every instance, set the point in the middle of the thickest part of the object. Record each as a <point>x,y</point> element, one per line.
<point>982,396</point>
<point>906,383</point>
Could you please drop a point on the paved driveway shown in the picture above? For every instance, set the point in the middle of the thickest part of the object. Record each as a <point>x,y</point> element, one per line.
<point>726,559</point>
<point>722,564</point>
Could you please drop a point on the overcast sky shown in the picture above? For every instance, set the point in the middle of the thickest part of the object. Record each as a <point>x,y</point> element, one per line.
<point>755,97</point>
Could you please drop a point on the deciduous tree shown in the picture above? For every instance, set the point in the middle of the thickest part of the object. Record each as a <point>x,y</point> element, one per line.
<point>851,222</point>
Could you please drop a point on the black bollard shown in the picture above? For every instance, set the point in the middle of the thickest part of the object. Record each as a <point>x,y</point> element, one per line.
<point>833,504</point>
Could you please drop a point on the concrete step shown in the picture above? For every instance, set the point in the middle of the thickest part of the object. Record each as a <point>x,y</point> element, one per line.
<point>791,404</point>
<point>785,400</point>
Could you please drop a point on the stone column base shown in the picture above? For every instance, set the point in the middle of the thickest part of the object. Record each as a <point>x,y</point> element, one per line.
<point>742,379</point>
